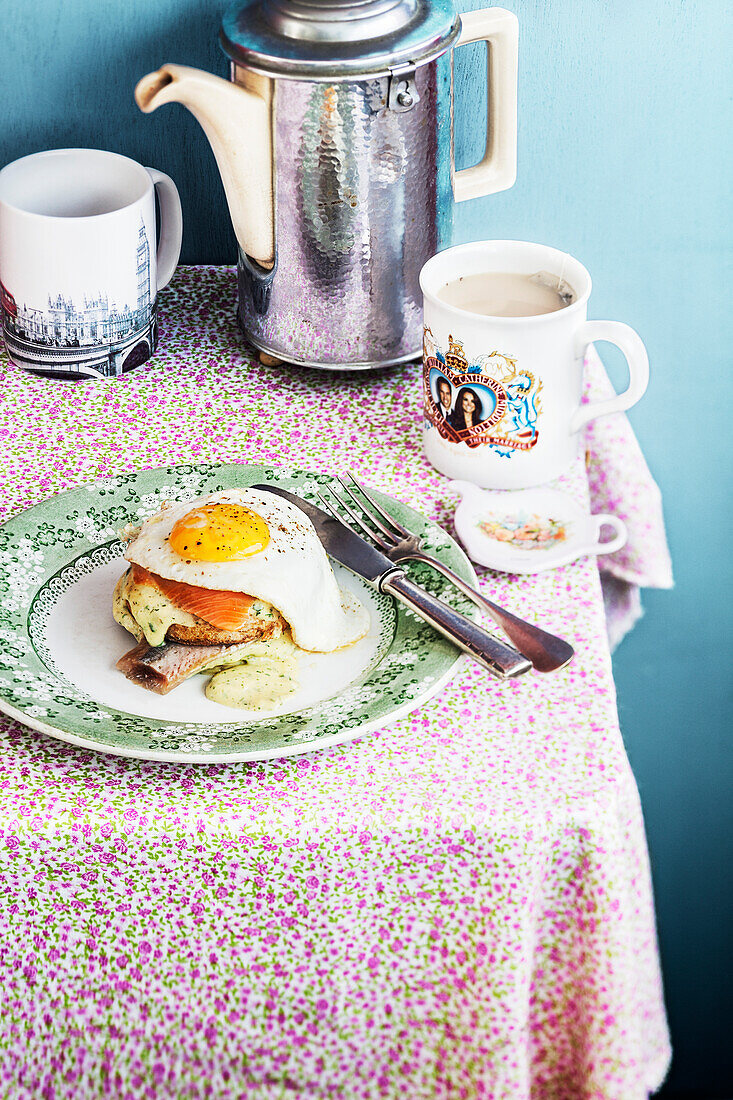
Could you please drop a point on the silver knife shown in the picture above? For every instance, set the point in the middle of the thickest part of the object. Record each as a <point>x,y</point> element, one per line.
<point>357,555</point>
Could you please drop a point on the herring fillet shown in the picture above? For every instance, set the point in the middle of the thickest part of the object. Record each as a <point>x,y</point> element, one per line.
<point>161,668</point>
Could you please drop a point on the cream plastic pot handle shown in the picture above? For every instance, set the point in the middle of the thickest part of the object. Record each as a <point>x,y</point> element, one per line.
<point>171,226</point>
<point>624,337</point>
<point>497,170</point>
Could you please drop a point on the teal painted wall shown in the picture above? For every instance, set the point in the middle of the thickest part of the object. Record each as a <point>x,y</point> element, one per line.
<point>624,160</point>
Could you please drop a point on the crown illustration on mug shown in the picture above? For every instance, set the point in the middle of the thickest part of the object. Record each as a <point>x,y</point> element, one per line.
<point>454,357</point>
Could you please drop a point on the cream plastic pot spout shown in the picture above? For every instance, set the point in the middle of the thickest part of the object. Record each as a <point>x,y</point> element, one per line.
<point>225,112</point>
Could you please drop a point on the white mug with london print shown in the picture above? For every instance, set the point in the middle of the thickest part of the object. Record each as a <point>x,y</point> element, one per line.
<point>525,374</point>
<point>79,267</point>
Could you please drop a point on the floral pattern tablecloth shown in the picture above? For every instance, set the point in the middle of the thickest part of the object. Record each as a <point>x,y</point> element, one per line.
<point>456,906</point>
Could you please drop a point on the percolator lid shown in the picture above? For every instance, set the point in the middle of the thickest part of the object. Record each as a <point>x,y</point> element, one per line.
<point>337,39</point>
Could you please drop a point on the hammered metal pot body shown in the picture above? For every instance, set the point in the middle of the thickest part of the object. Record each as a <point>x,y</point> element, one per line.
<point>362,199</point>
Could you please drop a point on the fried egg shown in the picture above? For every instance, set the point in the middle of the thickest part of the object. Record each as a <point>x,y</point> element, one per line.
<point>256,543</point>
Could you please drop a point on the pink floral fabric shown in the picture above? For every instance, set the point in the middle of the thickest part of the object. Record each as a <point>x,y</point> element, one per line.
<point>621,484</point>
<point>457,906</point>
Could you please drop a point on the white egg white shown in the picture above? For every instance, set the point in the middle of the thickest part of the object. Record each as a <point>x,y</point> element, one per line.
<point>292,573</point>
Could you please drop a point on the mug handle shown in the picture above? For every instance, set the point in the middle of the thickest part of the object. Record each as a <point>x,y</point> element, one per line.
<point>497,169</point>
<point>624,337</point>
<point>620,536</point>
<point>171,226</point>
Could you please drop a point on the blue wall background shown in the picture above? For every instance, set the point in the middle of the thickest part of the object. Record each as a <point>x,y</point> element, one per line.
<point>625,161</point>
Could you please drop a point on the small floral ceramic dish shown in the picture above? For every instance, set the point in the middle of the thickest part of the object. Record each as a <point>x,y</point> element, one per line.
<point>529,530</point>
<point>59,563</point>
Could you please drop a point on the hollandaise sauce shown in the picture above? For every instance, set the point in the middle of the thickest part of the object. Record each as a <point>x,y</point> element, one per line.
<point>145,611</point>
<point>263,675</point>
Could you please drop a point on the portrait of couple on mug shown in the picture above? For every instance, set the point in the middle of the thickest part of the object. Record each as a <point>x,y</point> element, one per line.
<point>463,410</point>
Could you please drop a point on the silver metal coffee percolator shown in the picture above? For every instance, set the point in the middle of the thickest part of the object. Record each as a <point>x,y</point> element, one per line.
<point>334,143</point>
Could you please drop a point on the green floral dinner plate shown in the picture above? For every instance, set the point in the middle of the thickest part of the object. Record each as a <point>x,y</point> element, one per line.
<point>59,563</point>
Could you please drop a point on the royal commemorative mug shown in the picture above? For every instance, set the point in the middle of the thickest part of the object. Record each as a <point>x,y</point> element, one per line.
<point>79,266</point>
<point>505,336</point>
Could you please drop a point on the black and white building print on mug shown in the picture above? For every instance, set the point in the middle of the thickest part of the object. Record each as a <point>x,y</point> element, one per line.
<point>93,334</point>
<point>78,273</point>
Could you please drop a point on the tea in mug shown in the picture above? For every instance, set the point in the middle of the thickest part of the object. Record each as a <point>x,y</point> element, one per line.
<point>508,294</point>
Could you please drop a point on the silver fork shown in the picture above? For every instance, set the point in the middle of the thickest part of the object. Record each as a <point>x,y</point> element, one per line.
<point>546,651</point>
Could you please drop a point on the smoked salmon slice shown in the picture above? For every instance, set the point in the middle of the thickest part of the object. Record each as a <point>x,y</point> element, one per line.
<point>224,610</point>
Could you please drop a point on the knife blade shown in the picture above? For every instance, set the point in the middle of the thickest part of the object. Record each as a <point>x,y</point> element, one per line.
<point>351,550</point>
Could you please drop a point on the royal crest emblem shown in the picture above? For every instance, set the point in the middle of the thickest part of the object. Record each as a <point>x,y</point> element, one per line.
<point>488,402</point>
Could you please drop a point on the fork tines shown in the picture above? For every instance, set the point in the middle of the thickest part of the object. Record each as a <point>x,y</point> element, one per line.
<point>333,509</point>
<point>383,536</point>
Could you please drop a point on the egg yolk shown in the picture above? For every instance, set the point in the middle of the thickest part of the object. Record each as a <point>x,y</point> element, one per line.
<point>219,532</point>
